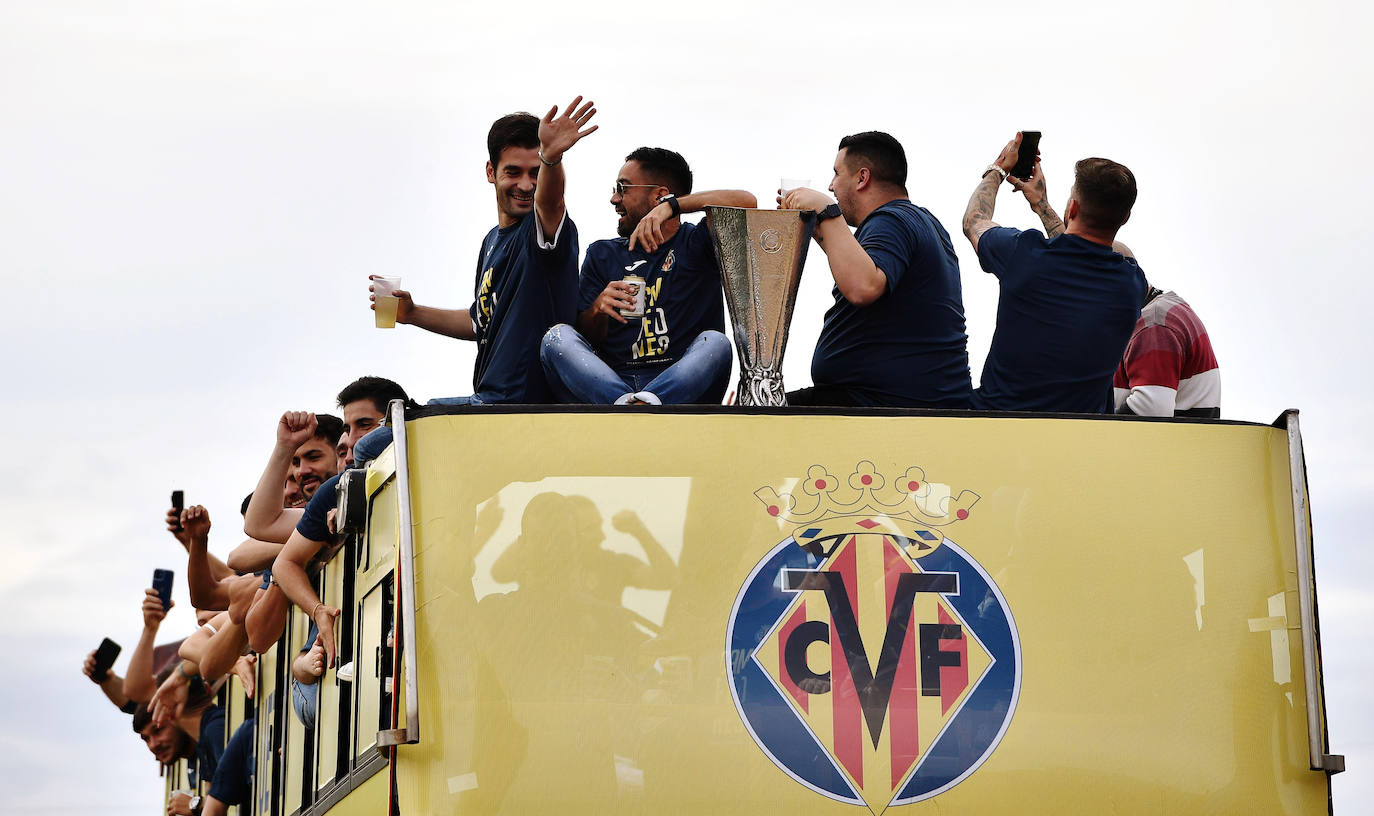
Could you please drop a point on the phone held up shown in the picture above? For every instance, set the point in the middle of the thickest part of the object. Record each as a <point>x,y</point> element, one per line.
<point>104,659</point>
<point>1025,158</point>
<point>162,582</point>
<point>178,504</point>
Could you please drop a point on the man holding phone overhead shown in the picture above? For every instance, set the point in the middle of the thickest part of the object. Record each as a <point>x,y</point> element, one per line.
<point>1068,300</point>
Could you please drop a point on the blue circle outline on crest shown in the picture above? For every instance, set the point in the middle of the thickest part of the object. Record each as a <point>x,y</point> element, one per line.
<point>980,723</point>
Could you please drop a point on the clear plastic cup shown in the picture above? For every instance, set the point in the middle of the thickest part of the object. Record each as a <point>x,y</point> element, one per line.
<point>382,287</point>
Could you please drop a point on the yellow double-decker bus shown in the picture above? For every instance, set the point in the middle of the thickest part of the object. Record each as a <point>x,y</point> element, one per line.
<point>730,610</point>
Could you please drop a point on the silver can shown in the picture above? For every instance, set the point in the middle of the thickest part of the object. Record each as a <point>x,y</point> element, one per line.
<point>636,284</point>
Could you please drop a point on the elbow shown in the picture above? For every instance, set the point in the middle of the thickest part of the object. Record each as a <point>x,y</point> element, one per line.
<point>747,200</point>
<point>864,295</point>
<point>252,529</point>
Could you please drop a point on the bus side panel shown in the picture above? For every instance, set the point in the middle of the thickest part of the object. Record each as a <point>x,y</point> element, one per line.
<point>582,579</point>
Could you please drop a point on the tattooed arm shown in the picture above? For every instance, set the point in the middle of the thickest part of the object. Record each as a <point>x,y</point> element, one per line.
<point>978,215</point>
<point>1034,191</point>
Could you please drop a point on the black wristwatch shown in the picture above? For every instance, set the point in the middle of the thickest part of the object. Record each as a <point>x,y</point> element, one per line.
<point>673,203</point>
<point>833,211</point>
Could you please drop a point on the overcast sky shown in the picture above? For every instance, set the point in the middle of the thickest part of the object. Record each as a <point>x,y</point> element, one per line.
<point>192,195</point>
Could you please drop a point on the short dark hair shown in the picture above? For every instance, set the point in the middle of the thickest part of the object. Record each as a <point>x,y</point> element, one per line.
<point>329,428</point>
<point>1105,191</point>
<point>880,153</point>
<point>142,716</point>
<point>378,389</point>
<point>665,167</point>
<point>512,130</point>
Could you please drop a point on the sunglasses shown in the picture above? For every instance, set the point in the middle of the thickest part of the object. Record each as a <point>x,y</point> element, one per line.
<point>620,187</point>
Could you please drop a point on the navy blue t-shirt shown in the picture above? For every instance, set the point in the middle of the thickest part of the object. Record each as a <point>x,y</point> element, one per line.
<point>1065,313</point>
<point>314,523</point>
<point>908,348</point>
<point>521,290</point>
<point>683,297</point>
<point>210,743</point>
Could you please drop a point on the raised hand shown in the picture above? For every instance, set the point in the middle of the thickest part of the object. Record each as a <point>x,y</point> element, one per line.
<point>1033,188</point>
<point>295,428</point>
<point>153,613</point>
<point>405,304</point>
<point>196,521</point>
<point>803,198</point>
<point>180,534</point>
<point>557,132</point>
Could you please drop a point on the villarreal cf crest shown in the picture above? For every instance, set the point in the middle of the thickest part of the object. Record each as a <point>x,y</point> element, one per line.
<point>872,659</point>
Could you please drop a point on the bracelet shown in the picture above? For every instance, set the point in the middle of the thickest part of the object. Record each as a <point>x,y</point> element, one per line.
<point>546,162</point>
<point>316,609</point>
<point>190,678</point>
<point>1000,171</point>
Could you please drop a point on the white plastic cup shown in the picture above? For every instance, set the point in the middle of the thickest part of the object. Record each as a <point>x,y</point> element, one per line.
<point>787,185</point>
<point>383,286</point>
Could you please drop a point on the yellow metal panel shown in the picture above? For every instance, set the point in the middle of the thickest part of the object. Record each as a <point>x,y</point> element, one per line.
<point>381,538</point>
<point>327,723</point>
<point>368,799</point>
<point>265,753</point>
<point>294,749</point>
<point>367,682</point>
<point>575,599</point>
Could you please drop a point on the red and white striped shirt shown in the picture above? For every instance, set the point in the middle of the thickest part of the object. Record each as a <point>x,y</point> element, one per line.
<point>1169,368</point>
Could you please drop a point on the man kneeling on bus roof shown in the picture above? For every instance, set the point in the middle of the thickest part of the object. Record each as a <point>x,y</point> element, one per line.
<point>651,325</point>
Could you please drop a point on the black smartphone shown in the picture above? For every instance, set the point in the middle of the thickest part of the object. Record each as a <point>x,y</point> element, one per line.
<point>104,659</point>
<point>178,504</point>
<point>1025,159</point>
<point>162,582</point>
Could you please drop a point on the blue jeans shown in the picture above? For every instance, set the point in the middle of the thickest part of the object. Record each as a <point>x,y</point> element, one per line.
<point>577,374</point>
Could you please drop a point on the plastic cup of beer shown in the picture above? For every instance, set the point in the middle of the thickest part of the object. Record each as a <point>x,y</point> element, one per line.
<point>383,286</point>
<point>787,185</point>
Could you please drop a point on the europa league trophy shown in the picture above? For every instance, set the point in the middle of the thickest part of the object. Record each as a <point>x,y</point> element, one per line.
<point>761,255</point>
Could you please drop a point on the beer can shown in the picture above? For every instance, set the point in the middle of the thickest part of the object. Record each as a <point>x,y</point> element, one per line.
<point>636,284</point>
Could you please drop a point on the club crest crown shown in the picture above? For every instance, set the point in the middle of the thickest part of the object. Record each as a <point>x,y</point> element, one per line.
<point>867,491</point>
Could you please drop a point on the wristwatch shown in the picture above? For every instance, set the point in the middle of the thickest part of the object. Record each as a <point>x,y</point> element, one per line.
<point>195,804</point>
<point>833,211</point>
<point>673,203</point>
<point>991,167</point>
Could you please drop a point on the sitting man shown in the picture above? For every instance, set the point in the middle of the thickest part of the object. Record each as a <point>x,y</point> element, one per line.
<point>1068,301</point>
<point>676,350</point>
<point>527,270</point>
<point>895,334</point>
<point>1169,368</point>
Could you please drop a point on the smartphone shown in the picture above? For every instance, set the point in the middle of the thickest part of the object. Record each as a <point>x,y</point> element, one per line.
<point>1025,159</point>
<point>104,659</point>
<point>178,504</point>
<point>162,582</point>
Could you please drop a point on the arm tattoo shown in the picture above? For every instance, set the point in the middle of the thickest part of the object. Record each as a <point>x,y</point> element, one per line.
<point>980,206</point>
<point>1053,225</point>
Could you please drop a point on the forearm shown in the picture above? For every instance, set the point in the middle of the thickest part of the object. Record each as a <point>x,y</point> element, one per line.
<point>206,591</point>
<point>859,280</point>
<point>548,196</point>
<point>220,652</point>
<point>592,325</point>
<point>267,619</point>
<point>1053,224</point>
<point>455,323</point>
<point>140,684</point>
<point>289,571</point>
<point>193,647</point>
<point>696,202</point>
<point>113,687</point>
<point>978,214</point>
<point>253,555</point>
<point>266,519</point>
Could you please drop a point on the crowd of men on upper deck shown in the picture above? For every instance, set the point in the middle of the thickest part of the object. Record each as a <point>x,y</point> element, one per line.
<point>1079,330</point>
